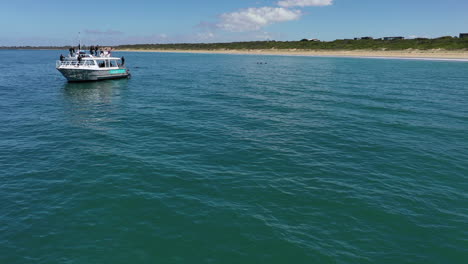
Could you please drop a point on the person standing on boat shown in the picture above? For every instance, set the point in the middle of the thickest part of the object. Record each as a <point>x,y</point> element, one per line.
<point>79,60</point>
<point>123,60</point>
<point>91,50</point>
<point>62,57</point>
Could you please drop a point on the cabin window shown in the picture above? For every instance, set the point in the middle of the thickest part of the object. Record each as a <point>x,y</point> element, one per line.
<point>112,63</point>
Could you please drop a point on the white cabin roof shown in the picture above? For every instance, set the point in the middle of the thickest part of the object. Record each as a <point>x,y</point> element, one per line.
<point>93,58</point>
<point>100,58</point>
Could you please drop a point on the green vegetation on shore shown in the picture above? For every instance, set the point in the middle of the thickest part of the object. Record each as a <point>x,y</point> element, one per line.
<point>444,43</point>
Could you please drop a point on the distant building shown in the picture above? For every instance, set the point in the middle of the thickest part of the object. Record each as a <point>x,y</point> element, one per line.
<point>463,35</point>
<point>314,40</point>
<point>393,38</point>
<point>367,38</point>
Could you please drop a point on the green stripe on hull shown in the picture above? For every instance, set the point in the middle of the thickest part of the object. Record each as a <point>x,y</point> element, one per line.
<point>117,71</point>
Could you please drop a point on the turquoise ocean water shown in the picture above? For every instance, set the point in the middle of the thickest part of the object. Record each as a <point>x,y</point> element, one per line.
<point>218,159</point>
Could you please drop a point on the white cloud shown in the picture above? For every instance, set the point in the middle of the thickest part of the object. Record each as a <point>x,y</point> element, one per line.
<point>302,3</point>
<point>204,36</point>
<point>252,19</point>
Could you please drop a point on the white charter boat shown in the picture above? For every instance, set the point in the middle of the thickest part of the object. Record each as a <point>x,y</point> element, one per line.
<point>80,66</point>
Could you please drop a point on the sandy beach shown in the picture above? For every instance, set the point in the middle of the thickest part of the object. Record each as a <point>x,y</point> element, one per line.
<point>408,54</point>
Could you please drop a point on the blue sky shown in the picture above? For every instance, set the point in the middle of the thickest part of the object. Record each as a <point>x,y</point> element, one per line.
<point>103,22</point>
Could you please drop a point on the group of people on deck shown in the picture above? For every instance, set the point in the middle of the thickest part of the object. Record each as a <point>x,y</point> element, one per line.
<point>100,52</point>
<point>93,50</point>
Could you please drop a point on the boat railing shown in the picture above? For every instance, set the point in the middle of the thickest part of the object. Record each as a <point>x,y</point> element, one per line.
<point>75,63</point>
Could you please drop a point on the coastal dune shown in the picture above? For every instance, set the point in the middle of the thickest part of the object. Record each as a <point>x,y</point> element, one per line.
<point>410,53</point>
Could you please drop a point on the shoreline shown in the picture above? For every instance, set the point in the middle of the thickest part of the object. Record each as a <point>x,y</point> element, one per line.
<point>459,55</point>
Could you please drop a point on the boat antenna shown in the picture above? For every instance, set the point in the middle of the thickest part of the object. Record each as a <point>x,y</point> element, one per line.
<point>79,40</point>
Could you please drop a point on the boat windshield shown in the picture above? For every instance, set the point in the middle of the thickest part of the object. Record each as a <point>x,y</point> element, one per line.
<point>89,63</point>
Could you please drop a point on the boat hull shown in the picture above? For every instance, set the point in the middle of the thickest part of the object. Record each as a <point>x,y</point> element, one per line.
<point>84,75</point>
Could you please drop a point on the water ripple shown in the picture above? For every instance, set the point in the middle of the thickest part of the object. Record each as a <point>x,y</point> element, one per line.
<point>214,158</point>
